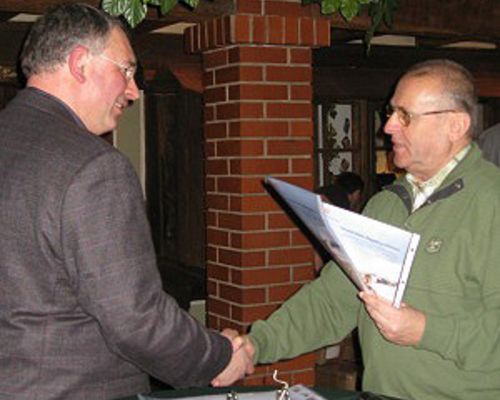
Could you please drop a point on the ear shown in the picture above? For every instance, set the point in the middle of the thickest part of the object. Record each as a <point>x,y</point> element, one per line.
<point>77,62</point>
<point>459,126</point>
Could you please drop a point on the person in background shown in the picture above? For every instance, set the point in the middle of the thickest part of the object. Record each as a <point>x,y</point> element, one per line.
<point>82,311</point>
<point>489,142</point>
<point>443,342</point>
<point>346,191</point>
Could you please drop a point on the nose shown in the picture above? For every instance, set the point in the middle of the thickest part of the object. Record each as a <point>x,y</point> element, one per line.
<point>132,91</point>
<point>392,124</point>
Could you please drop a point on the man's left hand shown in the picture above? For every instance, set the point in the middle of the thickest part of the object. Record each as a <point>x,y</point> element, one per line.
<point>404,326</point>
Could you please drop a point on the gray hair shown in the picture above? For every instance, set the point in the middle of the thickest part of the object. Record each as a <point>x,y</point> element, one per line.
<point>56,33</point>
<point>457,82</point>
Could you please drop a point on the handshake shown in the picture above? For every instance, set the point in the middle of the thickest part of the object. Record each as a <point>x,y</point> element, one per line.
<point>241,363</point>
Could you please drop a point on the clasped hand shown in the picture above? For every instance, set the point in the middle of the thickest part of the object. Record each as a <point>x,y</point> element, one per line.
<point>241,363</point>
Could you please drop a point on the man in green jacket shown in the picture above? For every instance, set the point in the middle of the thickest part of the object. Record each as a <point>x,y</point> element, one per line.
<point>444,342</point>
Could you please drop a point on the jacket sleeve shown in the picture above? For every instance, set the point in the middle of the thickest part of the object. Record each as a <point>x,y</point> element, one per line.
<point>110,258</point>
<point>322,312</point>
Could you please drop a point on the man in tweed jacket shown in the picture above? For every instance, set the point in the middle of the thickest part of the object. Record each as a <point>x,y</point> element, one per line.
<point>82,311</point>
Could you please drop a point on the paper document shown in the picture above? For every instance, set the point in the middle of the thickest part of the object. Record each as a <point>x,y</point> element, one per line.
<point>372,253</point>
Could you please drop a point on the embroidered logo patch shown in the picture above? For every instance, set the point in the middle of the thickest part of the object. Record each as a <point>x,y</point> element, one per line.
<point>434,245</point>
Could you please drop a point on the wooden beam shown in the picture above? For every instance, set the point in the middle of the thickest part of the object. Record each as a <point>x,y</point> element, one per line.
<point>478,19</point>
<point>205,10</point>
<point>345,71</point>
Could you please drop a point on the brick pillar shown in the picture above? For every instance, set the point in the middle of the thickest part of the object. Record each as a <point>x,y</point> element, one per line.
<point>258,122</point>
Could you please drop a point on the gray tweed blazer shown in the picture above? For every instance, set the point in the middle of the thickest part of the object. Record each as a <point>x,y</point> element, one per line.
<point>82,311</point>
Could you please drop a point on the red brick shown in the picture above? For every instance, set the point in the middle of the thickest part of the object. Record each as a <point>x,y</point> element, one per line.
<point>219,32</point>
<point>252,204</point>
<point>260,240</point>
<point>306,29</point>
<point>301,56</point>
<point>261,54</point>
<point>208,113</point>
<point>279,220</point>
<point>217,201</point>
<point>242,259</point>
<point>302,274</point>
<point>298,239</point>
<point>259,29</point>
<point>301,92</point>
<point>210,184</point>
<point>209,149</point>
<point>211,220</point>
<point>264,276</point>
<point>236,325</point>
<point>258,92</point>
<point>249,6</point>
<point>240,185</point>
<point>289,147</point>
<point>253,380</point>
<point>302,165</point>
<point>323,32</point>
<point>277,73</point>
<point>233,148</point>
<point>216,167</point>
<point>239,110</point>
<point>203,36</point>
<point>211,33</point>
<point>242,295</point>
<point>238,73</point>
<point>250,314</point>
<point>291,30</point>
<point>241,222</point>
<point>213,322</point>
<point>213,288</point>
<point>211,250</point>
<point>286,8</point>
<point>307,378</point>
<point>214,95</point>
<point>276,26</point>
<point>302,128</point>
<point>217,272</point>
<point>281,293</point>
<point>215,306</point>
<point>288,110</point>
<point>302,362</point>
<point>259,166</point>
<point>217,237</point>
<point>240,25</point>
<point>215,130</point>
<point>258,128</point>
<point>290,256</point>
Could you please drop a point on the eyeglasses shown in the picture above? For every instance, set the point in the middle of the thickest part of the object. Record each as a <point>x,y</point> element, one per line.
<point>127,70</point>
<point>405,117</point>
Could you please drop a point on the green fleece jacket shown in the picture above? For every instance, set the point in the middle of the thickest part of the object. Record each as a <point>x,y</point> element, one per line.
<point>455,281</point>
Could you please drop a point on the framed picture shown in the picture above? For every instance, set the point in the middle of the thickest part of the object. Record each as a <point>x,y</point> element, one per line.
<point>334,140</point>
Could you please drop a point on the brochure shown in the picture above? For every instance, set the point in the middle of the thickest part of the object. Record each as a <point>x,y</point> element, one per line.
<point>373,254</point>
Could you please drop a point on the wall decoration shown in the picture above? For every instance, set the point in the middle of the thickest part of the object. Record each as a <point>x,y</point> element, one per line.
<point>337,137</point>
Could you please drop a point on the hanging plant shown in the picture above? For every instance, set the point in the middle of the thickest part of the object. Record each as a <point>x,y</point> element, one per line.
<point>134,11</point>
<point>379,11</point>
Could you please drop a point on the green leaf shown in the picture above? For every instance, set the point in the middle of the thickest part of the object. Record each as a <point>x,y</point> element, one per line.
<point>167,5</point>
<point>114,7</point>
<point>153,2</point>
<point>191,3</point>
<point>349,9</point>
<point>392,6</point>
<point>135,12</point>
<point>330,6</point>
